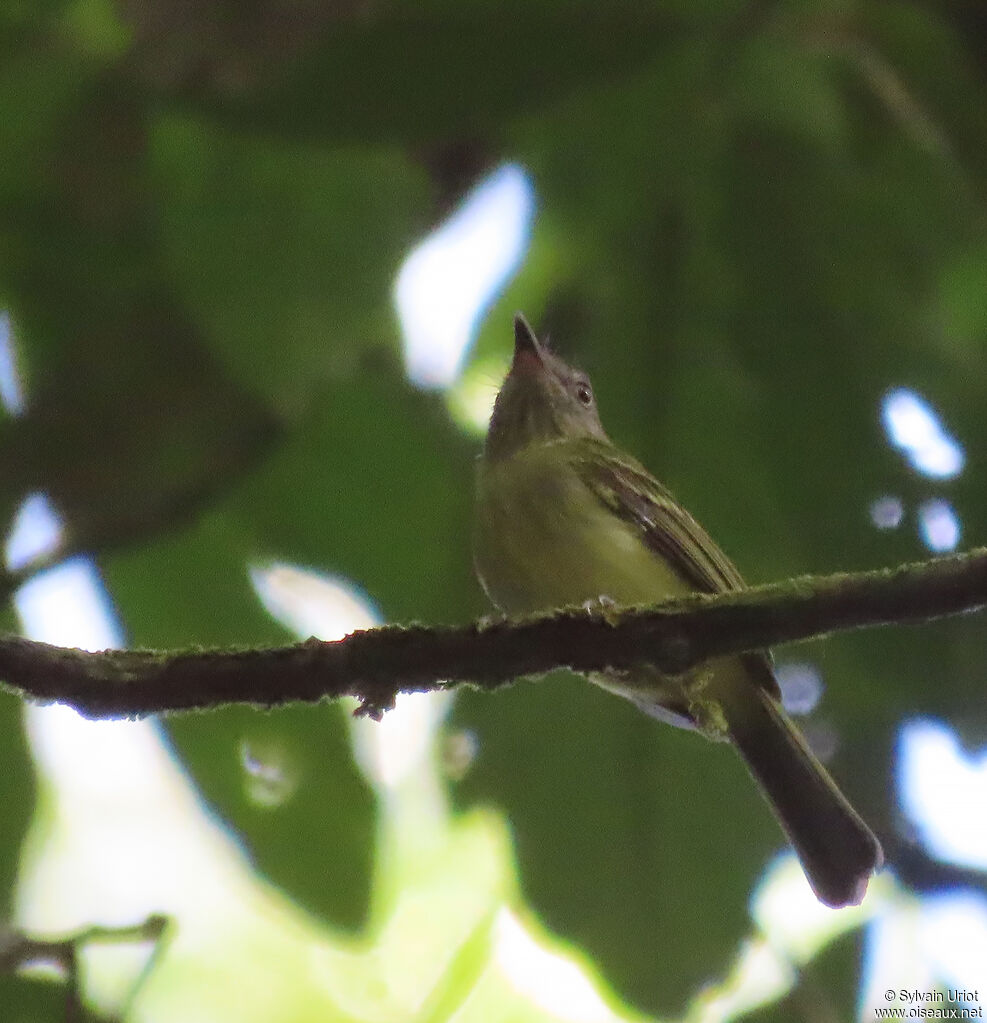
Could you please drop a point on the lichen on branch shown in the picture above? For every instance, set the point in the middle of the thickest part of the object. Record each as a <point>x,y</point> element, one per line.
<point>377,664</point>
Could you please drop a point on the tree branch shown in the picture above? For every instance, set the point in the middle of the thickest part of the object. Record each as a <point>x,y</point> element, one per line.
<point>375,665</point>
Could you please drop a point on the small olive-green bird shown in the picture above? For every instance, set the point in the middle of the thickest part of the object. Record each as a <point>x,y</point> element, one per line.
<point>566,518</point>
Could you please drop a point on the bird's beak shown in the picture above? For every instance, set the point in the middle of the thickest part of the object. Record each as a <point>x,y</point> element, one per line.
<point>528,355</point>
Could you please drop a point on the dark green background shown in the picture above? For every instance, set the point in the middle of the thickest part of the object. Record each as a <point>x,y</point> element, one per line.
<point>753,220</point>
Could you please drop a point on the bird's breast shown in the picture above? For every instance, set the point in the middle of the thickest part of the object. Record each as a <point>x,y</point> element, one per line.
<point>544,540</point>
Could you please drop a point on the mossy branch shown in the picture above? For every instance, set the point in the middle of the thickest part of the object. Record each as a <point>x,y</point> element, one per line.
<point>377,664</point>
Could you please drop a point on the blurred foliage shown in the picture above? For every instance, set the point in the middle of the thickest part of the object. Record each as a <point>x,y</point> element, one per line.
<point>753,219</point>
<point>34,1001</point>
<point>17,788</point>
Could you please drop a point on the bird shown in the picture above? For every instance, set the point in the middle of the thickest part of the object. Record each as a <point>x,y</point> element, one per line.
<point>566,518</point>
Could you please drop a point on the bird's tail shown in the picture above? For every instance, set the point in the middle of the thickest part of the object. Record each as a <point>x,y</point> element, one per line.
<point>837,850</point>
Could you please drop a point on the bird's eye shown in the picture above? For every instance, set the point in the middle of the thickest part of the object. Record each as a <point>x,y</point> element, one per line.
<point>584,393</point>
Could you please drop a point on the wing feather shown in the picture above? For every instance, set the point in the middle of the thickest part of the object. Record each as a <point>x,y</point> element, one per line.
<point>627,489</point>
<point>666,528</point>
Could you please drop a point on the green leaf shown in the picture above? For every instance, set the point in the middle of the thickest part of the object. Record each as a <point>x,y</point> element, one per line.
<point>424,76</point>
<point>286,254</point>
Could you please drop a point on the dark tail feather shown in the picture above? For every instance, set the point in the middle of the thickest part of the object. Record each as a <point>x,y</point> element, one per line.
<point>837,850</point>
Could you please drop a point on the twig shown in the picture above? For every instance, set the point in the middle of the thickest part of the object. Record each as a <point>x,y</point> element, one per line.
<point>375,665</point>
<point>18,950</point>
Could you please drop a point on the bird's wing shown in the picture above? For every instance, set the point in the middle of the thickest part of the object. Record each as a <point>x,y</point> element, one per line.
<point>628,490</point>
